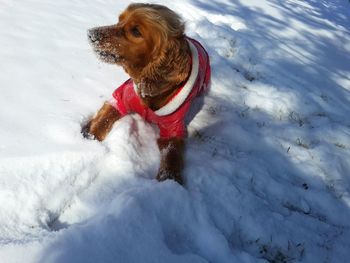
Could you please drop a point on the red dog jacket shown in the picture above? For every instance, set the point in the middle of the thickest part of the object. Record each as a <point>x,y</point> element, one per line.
<point>171,117</point>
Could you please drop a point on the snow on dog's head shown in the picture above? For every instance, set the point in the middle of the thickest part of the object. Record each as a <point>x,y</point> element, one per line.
<point>142,36</point>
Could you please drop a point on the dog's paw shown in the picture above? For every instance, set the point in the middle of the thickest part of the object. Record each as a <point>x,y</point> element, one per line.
<point>85,131</point>
<point>171,175</point>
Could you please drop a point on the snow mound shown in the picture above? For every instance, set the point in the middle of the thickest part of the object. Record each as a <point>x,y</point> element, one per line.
<point>266,177</point>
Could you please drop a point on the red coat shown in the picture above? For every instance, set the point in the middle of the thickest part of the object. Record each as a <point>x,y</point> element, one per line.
<point>171,117</point>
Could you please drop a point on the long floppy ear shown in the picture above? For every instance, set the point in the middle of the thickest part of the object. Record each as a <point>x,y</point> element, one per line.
<point>169,22</point>
<point>171,27</point>
<point>168,38</point>
<point>164,22</point>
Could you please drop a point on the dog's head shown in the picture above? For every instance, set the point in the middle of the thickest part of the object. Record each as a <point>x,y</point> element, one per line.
<point>141,36</point>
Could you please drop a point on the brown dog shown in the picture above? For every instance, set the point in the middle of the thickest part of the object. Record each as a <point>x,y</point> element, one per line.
<point>167,70</point>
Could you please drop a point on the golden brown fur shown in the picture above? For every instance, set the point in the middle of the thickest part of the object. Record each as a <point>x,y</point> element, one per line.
<point>171,159</point>
<point>102,123</point>
<point>149,43</point>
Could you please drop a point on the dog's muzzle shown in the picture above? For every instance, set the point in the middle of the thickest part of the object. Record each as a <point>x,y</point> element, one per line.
<point>94,35</point>
<point>98,39</point>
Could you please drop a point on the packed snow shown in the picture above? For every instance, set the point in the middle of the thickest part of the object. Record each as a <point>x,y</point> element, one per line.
<point>267,175</point>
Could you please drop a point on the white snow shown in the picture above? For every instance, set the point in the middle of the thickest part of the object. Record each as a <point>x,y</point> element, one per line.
<point>267,158</point>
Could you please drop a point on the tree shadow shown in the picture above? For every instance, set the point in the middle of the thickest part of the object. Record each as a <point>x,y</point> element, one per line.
<point>310,65</point>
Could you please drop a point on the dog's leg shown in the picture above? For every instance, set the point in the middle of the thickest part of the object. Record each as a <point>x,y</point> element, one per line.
<point>171,163</point>
<point>102,123</point>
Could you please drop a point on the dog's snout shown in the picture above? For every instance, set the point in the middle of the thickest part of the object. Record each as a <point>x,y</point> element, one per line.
<point>94,35</point>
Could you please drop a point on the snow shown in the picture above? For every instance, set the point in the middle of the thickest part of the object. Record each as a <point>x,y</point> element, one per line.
<point>267,158</point>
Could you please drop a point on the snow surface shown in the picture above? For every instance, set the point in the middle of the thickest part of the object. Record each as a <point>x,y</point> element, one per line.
<point>267,159</point>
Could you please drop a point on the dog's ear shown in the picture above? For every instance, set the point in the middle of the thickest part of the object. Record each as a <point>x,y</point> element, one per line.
<point>168,21</point>
<point>164,24</point>
<point>171,27</point>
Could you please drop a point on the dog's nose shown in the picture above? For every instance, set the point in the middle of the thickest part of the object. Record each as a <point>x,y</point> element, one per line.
<point>94,35</point>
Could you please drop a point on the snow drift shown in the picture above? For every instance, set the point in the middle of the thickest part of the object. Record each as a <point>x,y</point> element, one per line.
<point>267,158</point>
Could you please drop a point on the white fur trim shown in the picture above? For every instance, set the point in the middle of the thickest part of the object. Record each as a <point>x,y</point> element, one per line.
<point>180,98</point>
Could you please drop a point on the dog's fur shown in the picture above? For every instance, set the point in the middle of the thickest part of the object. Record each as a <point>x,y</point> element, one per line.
<point>149,43</point>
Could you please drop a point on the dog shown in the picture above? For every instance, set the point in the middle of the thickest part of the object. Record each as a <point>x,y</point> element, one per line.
<point>167,70</point>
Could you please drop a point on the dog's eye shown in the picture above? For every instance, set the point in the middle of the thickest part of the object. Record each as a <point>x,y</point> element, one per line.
<point>135,32</point>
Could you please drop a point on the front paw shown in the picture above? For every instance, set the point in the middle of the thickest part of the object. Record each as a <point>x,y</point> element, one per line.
<point>165,174</point>
<point>85,130</point>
